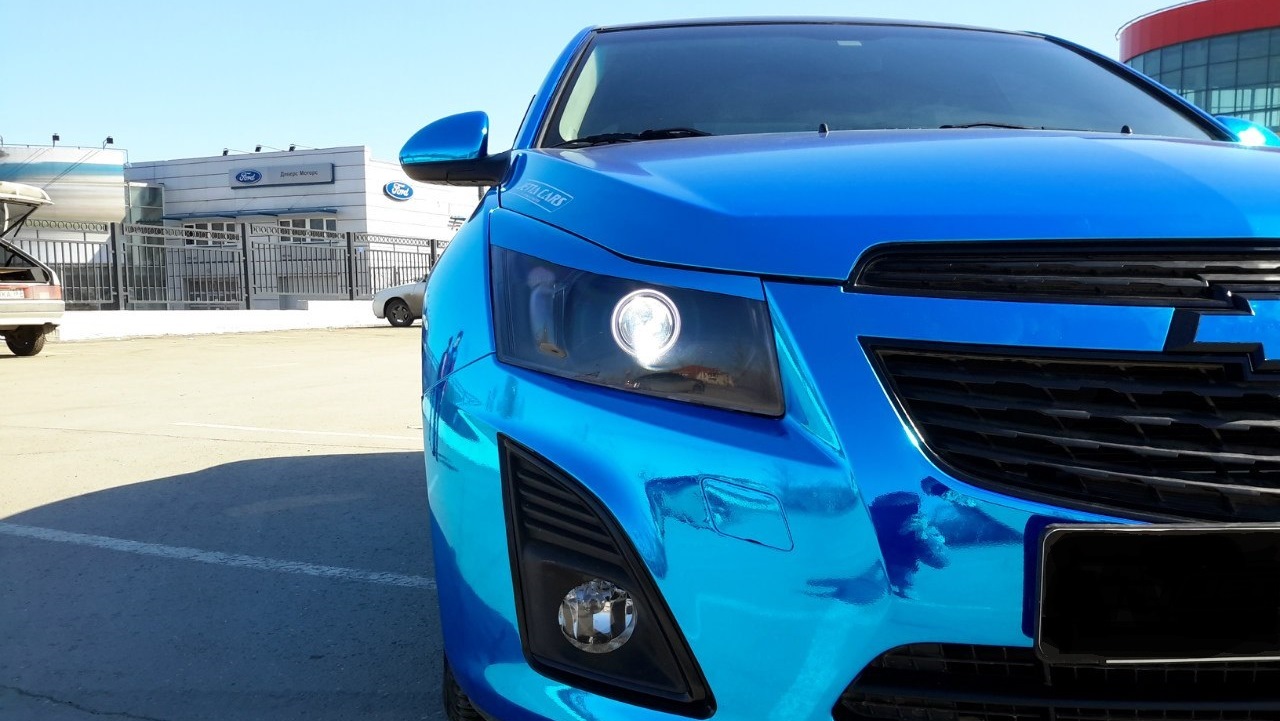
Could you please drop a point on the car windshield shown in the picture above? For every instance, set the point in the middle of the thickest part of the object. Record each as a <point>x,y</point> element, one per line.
<point>640,84</point>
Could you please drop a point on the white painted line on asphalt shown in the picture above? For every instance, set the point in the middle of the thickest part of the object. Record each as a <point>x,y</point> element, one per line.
<point>256,429</point>
<point>237,560</point>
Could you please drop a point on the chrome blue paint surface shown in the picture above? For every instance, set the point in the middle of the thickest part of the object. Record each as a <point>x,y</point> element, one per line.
<point>791,551</point>
<point>746,513</point>
<point>1250,133</point>
<point>807,205</point>
<point>457,137</point>
<point>526,137</point>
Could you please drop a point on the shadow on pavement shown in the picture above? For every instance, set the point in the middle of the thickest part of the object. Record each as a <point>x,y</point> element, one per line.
<point>98,626</point>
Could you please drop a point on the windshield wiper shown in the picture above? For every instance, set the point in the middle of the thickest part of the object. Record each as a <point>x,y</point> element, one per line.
<point>990,125</point>
<point>652,134</point>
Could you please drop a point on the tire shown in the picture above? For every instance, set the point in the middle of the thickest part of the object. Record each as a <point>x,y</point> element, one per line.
<point>457,707</point>
<point>398,313</point>
<point>27,340</point>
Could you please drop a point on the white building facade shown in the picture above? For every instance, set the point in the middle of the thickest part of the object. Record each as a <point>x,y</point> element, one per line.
<point>331,189</point>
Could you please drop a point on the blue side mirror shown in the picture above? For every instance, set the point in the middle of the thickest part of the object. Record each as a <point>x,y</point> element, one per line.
<point>1248,132</point>
<point>454,151</point>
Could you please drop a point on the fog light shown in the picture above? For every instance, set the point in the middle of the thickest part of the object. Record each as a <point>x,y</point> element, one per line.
<point>646,324</point>
<point>597,616</point>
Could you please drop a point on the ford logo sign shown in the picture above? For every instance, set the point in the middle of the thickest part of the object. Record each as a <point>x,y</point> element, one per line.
<point>397,190</point>
<point>248,176</point>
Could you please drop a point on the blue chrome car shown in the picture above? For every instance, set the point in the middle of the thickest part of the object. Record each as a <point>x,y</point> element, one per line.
<point>855,370</point>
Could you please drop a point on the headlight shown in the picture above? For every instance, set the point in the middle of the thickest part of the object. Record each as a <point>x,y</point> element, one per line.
<point>688,345</point>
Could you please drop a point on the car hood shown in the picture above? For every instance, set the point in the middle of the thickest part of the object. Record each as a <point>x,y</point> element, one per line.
<point>807,205</point>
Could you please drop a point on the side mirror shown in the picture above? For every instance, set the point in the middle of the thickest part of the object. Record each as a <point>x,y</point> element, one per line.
<point>454,151</point>
<point>1248,132</point>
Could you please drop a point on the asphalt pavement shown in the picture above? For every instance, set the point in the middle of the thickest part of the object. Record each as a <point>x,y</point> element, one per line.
<point>217,527</point>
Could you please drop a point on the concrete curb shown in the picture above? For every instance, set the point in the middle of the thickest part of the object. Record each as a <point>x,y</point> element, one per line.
<point>112,324</point>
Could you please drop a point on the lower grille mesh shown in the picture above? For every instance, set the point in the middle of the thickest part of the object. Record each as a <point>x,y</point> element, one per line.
<point>956,682</point>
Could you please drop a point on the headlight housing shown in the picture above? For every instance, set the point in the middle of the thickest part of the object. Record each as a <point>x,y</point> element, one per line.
<point>690,345</point>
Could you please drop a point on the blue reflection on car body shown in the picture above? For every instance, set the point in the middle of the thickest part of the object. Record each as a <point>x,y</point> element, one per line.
<point>790,551</point>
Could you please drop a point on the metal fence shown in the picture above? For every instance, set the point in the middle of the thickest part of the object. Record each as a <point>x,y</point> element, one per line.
<point>139,266</point>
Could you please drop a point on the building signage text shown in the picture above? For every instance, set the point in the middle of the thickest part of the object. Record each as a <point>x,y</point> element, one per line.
<point>309,174</point>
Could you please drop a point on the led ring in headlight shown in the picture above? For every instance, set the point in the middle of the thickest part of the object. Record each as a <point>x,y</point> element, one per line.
<point>646,324</point>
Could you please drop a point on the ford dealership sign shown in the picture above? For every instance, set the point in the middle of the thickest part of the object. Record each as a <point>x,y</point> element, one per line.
<point>291,174</point>
<point>397,190</point>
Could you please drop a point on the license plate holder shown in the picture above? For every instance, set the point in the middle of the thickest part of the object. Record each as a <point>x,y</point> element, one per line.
<point>1158,593</point>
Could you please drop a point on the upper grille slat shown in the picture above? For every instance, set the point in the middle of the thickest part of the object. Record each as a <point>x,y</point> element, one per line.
<point>1090,376</point>
<point>1148,415</point>
<point>1146,273</point>
<point>1196,438</point>
<point>1169,449</point>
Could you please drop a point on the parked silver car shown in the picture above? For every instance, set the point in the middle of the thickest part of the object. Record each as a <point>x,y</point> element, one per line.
<point>401,305</point>
<point>31,302</point>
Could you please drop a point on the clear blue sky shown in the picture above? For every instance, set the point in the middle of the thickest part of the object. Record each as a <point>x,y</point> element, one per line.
<point>185,78</point>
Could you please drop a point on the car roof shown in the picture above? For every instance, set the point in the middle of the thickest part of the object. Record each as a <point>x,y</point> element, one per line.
<point>798,20</point>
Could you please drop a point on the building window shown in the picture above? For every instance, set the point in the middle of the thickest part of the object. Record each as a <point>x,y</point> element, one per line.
<point>146,204</point>
<point>308,230</point>
<point>198,233</point>
<point>1226,75</point>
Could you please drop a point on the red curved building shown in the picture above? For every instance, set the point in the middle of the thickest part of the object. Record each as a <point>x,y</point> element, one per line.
<point>1223,55</point>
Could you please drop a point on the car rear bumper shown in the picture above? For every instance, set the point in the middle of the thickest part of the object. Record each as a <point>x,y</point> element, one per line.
<point>15,313</point>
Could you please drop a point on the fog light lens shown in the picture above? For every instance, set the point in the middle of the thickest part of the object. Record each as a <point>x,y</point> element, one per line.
<point>597,616</point>
<point>646,324</point>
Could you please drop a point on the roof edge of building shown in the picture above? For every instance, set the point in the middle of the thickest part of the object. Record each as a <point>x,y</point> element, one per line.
<point>1195,20</point>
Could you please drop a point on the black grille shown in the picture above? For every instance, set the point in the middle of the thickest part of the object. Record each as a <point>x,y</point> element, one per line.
<point>1179,439</point>
<point>955,682</point>
<point>547,511</point>
<point>1145,274</point>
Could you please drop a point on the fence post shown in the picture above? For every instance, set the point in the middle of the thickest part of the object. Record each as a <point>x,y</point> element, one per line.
<point>119,260</point>
<point>246,265</point>
<point>433,255</point>
<point>351,265</point>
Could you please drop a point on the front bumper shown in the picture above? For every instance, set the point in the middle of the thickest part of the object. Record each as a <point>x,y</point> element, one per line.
<point>874,554</point>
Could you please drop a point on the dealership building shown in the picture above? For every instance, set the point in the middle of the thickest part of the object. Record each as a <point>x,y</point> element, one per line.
<point>334,189</point>
<point>330,189</point>
<point>237,230</point>
<point>1222,55</point>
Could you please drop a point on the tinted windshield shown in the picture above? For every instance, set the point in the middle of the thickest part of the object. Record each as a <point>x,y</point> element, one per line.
<point>735,79</point>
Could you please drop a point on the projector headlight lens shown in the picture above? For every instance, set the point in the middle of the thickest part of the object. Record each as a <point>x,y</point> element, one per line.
<point>646,324</point>
<point>691,345</point>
